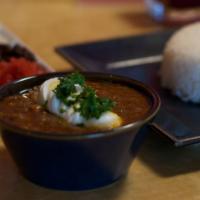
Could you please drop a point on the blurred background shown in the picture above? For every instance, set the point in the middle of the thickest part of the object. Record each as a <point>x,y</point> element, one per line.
<point>44,24</point>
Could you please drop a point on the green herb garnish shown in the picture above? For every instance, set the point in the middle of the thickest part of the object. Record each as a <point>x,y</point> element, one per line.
<point>67,88</point>
<point>90,105</point>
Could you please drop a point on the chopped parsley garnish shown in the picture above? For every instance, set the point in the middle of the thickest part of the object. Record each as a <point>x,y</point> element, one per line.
<point>93,106</point>
<point>73,91</point>
<point>67,88</point>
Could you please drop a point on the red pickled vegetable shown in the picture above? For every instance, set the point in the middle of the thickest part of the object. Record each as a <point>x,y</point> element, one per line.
<point>17,68</point>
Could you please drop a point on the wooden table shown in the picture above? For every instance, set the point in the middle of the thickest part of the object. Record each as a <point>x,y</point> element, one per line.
<point>161,171</point>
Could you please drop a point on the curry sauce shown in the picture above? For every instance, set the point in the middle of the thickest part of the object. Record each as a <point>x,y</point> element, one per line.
<point>23,110</point>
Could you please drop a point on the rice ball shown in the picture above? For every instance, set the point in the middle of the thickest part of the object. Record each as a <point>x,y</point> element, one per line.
<point>180,70</point>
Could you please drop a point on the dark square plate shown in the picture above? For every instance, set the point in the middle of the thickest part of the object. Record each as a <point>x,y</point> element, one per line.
<point>139,57</point>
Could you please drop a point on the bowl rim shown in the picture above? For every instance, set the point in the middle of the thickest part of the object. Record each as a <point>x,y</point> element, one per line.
<point>156,103</point>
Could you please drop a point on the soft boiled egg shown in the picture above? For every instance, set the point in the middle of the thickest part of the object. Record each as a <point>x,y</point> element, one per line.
<point>106,121</point>
<point>46,89</point>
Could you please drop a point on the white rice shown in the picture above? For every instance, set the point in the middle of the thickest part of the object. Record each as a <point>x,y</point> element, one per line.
<point>180,70</point>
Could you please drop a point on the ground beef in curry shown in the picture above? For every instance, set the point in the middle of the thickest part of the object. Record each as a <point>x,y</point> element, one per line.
<point>24,111</point>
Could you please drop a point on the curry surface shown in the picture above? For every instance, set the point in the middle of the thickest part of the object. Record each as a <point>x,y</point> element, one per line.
<point>24,111</point>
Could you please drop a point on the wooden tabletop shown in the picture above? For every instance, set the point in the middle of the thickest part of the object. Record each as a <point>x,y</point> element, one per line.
<point>161,171</point>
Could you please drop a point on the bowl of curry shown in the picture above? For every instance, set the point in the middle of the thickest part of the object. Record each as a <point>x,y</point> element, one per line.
<point>85,140</point>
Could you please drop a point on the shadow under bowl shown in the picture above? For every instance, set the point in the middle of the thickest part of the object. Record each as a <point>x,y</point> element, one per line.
<point>76,162</point>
